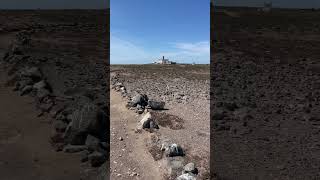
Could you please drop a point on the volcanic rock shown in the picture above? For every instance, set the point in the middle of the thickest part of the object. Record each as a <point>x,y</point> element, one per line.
<point>155,105</point>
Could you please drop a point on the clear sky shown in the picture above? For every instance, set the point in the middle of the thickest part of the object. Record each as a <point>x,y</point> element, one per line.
<point>145,30</point>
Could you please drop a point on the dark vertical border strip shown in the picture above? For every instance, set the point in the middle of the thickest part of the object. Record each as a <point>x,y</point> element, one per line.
<point>211,89</point>
<point>108,88</point>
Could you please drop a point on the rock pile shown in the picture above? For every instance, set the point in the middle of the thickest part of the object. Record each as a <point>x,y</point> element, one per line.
<point>173,153</point>
<point>140,102</point>
<point>27,78</point>
<point>79,122</point>
<point>174,157</point>
<point>83,128</point>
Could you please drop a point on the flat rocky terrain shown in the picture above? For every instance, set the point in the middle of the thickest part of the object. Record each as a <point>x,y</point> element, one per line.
<point>265,86</point>
<point>54,66</point>
<point>183,121</point>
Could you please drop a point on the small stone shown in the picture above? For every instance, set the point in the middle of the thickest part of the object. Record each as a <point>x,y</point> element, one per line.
<point>27,89</point>
<point>56,110</point>
<point>186,177</point>
<point>146,122</point>
<point>140,111</point>
<point>120,139</point>
<point>92,142</point>
<point>46,107</point>
<point>16,50</point>
<point>96,159</point>
<point>42,93</point>
<point>32,72</point>
<point>174,150</point>
<point>84,156</point>
<point>40,85</point>
<point>104,145</point>
<point>153,125</point>
<point>190,168</point>
<point>25,82</point>
<point>59,126</point>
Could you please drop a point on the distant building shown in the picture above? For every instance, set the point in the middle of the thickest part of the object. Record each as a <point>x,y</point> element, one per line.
<point>267,7</point>
<point>164,61</point>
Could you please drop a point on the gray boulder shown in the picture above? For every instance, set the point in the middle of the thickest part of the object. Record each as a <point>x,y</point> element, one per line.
<point>174,150</point>
<point>140,99</point>
<point>89,119</point>
<point>147,122</point>
<point>156,105</point>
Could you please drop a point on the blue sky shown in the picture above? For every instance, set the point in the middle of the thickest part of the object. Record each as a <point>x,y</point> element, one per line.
<point>145,30</point>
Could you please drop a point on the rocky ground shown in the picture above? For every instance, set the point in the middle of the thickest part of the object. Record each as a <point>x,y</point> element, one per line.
<point>265,87</point>
<point>162,121</point>
<point>60,60</point>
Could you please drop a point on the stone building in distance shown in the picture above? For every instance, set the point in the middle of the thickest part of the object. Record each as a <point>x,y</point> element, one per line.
<point>267,7</point>
<point>164,61</point>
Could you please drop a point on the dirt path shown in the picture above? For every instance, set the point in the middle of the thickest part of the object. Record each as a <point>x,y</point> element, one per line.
<point>129,158</point>
<point>24,146</point>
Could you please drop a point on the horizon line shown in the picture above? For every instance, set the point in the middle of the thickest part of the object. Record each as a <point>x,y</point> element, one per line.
<point>23,9</point>
<point>273,7</point>
<point>161,64</point>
